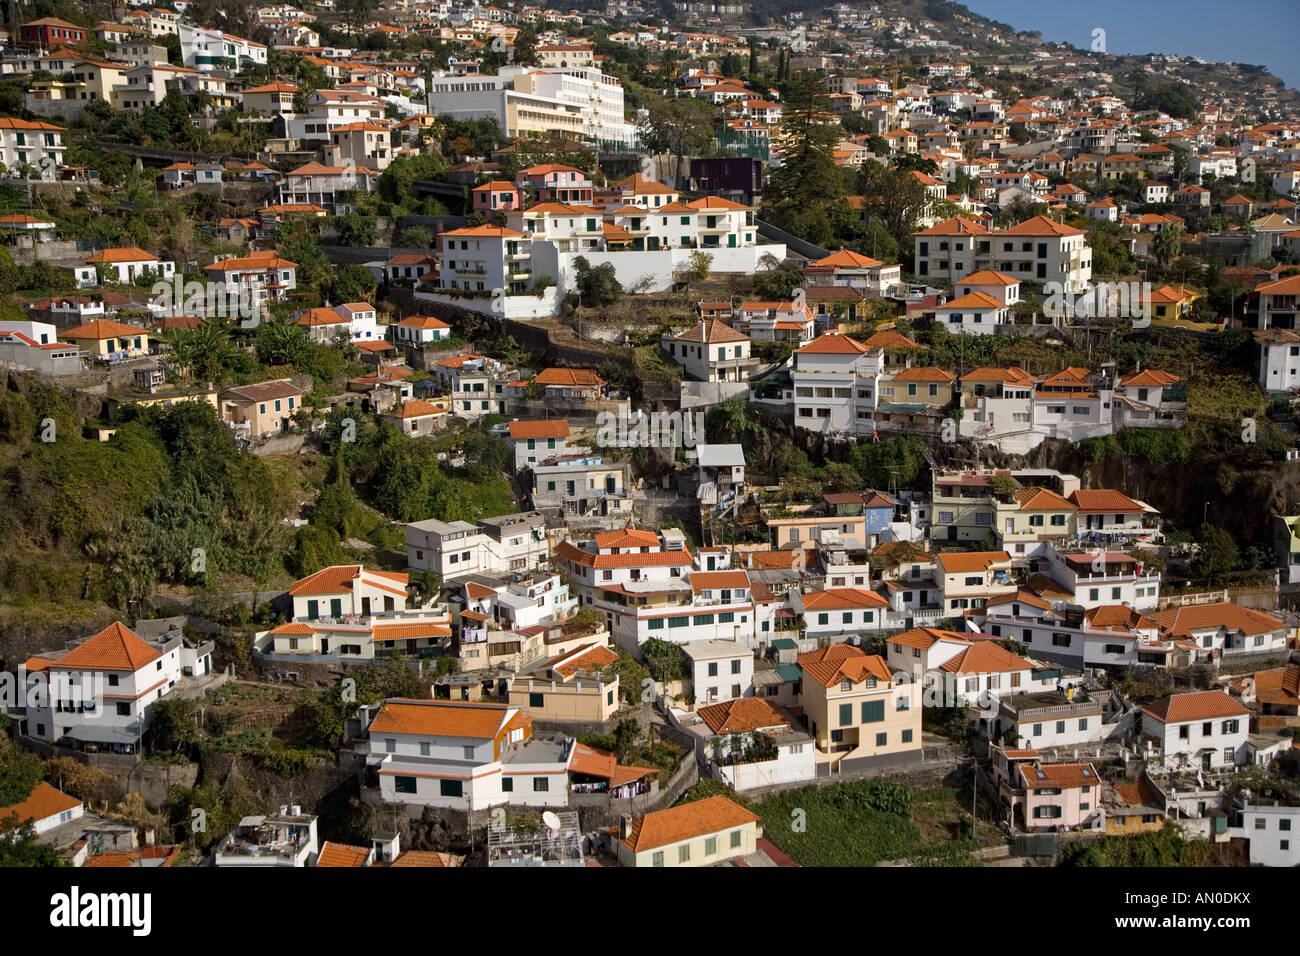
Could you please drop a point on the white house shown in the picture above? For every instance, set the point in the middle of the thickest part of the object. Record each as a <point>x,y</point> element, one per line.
<point>1205,730</point>
<point>504,544</point>
<point>1273,833</point>
<point>538,441</point>
<point>103,690</point>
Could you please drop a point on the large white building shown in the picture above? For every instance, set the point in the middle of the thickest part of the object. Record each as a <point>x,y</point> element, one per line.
<point>102,692</point>
<point>835,379</point>
<point>501,545</point>
<point>1036,250</point>
<point>580,101</point>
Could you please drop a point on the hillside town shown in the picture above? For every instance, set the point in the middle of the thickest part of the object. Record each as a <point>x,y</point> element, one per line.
<point>666,434</point>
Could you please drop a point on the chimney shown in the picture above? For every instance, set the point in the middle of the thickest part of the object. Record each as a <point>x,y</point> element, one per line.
<point>625,826</point>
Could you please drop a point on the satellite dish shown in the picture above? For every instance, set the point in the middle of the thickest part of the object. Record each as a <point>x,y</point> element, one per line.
<point>551,820</point>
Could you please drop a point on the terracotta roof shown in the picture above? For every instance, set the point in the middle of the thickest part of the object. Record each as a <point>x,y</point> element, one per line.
<point>557,428</point>
<point>712,330</point>
<point>837,599</point>
<point>715,580</point>
<point>43,802</point>
<point>568,549</point>
<point>838,662</point>
<point>833,343</point>
<point>1062,775</point>
<point>442,718</point>
<point>985,657</point>
<point>890,340</point>
<point>570,377</point>
<point>343,854</point>
<point>627,538</point>
<point>340,578</point>
<point>418,408</point>
<point>115,648</point>
<point>743,715</point>
<point>424,858</point>
<point>847,258</point>
<point>1103,500</point>
<point>926,637</point>
<point>988,277</point>
<point>1206,705</point>
<point>423,322</point>
<point>1182,621</point>
<point>1151,378</point>
<point>1041,499</point>
<point>100,329</point>
<point>958,562</point>
<point>915,374</point>
<point>1041,226</point>
<point>686,822</point>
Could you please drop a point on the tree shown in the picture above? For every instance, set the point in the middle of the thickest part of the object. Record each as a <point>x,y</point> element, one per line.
<point>808,179</point>
<point>1216,555</point>
<point>354,283</point>
<point>697,269</point>
<point>665,660</point>
<point>680,125</point>
<point>596,286</point>
<point>356,229</point>
<point>895,198</point>
<point>1167,245</point>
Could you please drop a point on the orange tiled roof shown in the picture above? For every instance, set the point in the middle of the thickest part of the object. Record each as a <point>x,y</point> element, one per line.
<point>115,648</point>
<point>44,801</point>
<point>556,428</point>
<point>442,718</point>
<point>1206,705</point>
<point>743,715</point>
<point>838,662</point>
<point>686,822</point>
<point>342,854</point>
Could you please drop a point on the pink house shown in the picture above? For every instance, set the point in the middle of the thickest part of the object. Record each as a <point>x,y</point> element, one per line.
<point>497,196</point>
<point>1054,795</point>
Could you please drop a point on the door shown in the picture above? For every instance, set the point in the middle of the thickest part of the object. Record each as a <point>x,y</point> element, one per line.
<point>1010,526</point>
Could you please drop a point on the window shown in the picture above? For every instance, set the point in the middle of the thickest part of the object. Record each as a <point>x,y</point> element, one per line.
<point>404,784</point>
<point>507,784</point>
<point>713,668</point>
<point>1261,823</point>
<point>424,748</point>
<point>846,714</point>
<point>1284,824</point>
<point>683,853</point>
<point>873,711</point>
<point>450,788</point>
<point>657,859</point>
<point>536,700</point>
<point>710,846</point>
<point>907,736</point>
<point>735,666</point>
<point>735,838</point>
<point>541,784</point>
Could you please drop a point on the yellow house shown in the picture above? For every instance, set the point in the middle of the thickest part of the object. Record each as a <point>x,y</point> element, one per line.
<point>568,687</point>
<point>1170,303</point>
<point>854,707</point>
<point>1033,516</point>
<point>1133,809</point>
<point>104,337</point>
<point>703,833</point>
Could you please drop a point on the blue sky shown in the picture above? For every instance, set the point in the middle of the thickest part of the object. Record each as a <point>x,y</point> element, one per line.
<point>1246,31</point>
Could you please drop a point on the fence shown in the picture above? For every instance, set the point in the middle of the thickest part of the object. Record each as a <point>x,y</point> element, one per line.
<point>1036,844</point>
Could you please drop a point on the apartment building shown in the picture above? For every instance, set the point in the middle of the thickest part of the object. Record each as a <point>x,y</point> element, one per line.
<point>835,380</point>
<point>499,545</point>
<point>1037,250</point>
<point>253,279</point>
<point>485,258</point>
